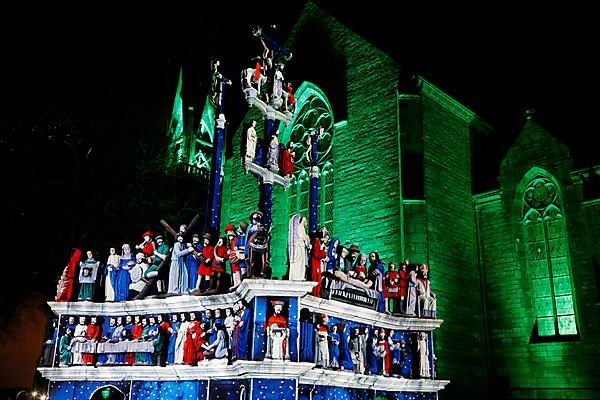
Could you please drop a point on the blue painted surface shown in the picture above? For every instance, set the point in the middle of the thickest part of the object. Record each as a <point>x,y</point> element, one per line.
<point>293,312</point>
<point>259,334</point>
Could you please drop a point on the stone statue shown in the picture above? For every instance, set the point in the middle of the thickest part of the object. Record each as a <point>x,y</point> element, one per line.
<point>277,334</point>
<point>78,337</point>
<point>147,246</point>
<point>220,256</point>
<point>257,246</point>
<point>423,349</point>
<point>427,300</point>
<point>160,254</point>
<point>273,153</point>
<point>298,245</point>
<point>232,256</point>
<point>87,277</point>
<point>229,323</point>
<point>356,347</point>
<point>242,319</point>
<point>318,256</point>
<point>126,262</point>
<point>65,357</point>
<point>334,348</point>
<point>251,141</point>
<point>288,156</point>
<point>322,343</point>
<point>136,274</point>
<point>178,274</point>
<point>391,288</point>
<point>411,292</point>
<point>112,268</point>
<point>288,95</point>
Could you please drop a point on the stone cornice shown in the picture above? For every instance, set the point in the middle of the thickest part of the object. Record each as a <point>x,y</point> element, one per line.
<point>366,316</point>
<point>327,377</point>
<point>267,369</point>
<point>248,289</point>
<point>442,98</point>
<point>266,175</point>
<point>485,198</point>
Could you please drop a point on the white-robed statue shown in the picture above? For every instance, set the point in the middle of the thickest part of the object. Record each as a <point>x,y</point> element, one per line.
<point>423,348</point>
<point>298,245</point>
<point>112,268</point>
<point>427,300</point>
<point>322,342</point>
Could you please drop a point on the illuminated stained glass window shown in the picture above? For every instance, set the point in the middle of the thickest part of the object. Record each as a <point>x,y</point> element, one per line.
<point>548,258</point>
<point>313,111</point>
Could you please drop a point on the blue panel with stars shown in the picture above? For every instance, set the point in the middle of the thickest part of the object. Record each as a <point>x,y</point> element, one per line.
<point>229,389</point>
<point>258,336</point>
<point>273,389</point>
<point>293,312</point>
<point>78,390</point>
<point>306,392</point>
<point>167,390</point>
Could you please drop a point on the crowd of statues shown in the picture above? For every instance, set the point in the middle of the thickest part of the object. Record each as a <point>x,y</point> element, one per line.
<point>268,152</point>
<point>185,338</point>
<point>371,350</point>
<point>200,267</point>
<point>405,290</point>
<point>196,338</point>
<point>197,267</point>
<point>265,74</point>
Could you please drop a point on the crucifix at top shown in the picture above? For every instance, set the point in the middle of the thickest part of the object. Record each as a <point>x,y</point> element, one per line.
<point>265,88</point>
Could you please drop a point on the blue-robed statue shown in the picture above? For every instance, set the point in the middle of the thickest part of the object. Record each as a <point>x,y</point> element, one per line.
<point>345,355</point>
<point>240,339</point>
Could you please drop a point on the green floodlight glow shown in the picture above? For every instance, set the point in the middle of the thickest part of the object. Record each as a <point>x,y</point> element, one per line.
<point>177,115</point>
<point>548,258</point>
<point>191,149</point>
<point>313,110</point>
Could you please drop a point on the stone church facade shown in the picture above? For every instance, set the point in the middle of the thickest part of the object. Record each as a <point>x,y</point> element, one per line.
<point>515,269</point>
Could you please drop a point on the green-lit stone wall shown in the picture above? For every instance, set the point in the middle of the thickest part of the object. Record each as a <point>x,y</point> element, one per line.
<point>415,231</point>
<point>488,316</point>
<point>240,190</point>
<point>524,365</point>
<point>452,249</point>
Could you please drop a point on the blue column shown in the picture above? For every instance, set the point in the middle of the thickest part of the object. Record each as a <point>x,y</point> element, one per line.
<point>313,199</point>
<point>214,210</point>
<point>293,318</point>
<point>265,201</point>
<point>214,189</point>
<point>259,341</point>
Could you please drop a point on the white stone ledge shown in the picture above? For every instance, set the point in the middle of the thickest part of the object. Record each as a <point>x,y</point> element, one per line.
<point>366,316</point>
<point>327,377</point>
<point>267,369</point>
<point>186,303</point>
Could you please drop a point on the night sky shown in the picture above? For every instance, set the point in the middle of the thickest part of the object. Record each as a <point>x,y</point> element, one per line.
<point>88,93</point>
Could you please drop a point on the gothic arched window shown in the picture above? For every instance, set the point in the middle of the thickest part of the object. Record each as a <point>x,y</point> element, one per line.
<point>313,111</point>
<point>548,259</point>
